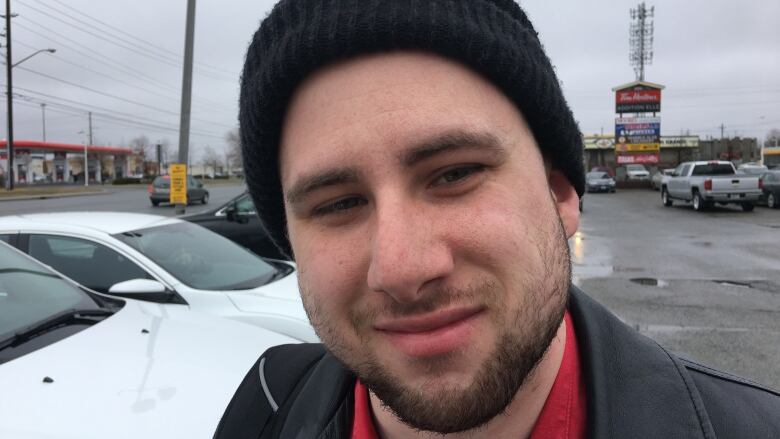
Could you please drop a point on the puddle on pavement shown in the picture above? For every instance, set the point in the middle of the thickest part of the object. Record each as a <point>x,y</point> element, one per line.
<point>650,281</point>
<point>591,257</point>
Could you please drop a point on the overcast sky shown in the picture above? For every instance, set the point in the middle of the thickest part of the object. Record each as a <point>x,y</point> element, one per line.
<point>121,59</point>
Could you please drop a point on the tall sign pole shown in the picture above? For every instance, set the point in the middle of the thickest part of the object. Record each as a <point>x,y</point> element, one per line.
<point>641,39</point>
<point>9,178</point>
<point>186,90</point>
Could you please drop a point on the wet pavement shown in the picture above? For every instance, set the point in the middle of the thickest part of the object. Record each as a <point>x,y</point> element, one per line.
<point>705,285</point>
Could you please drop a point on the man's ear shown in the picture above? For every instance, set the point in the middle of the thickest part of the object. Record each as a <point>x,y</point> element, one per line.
<point>566,201</point>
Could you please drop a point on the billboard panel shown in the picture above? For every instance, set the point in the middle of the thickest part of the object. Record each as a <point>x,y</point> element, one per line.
<point>679,141</point>
<point>637,134</point>
<point>638,99</point>
<point>639,159</point>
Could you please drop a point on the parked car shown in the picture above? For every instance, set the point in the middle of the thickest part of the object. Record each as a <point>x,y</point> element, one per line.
<point>655,180</point>
<point>705,183</point>
<point>751,168</point>
<point>165,260</point>
<point>599,182</point>
<point>78,364</point>
<point>636,173</point>
<point>237,220</point>
<point>770,187</point>
<point>606,169</point>
<point>160,190</point>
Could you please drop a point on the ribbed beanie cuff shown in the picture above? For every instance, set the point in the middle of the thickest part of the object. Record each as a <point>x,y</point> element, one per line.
<point>492,37</point>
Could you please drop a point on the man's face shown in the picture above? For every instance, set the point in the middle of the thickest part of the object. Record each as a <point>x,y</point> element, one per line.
<point>429,236</point>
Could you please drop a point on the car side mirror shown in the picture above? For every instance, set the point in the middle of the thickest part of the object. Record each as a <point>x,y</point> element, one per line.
<point>144,289</point>
<point>137,286</point>
<point>233,214</point>
<point>230,212</point>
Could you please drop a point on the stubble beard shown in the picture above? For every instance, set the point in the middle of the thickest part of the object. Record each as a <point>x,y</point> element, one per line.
<point>518,350</point>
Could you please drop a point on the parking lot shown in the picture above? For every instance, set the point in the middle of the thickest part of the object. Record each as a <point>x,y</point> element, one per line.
<point>706,285</point>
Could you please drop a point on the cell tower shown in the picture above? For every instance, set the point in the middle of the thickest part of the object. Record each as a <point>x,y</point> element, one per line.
<point>641,39</point>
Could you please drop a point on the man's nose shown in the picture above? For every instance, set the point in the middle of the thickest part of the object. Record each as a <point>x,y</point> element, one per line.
<point>408,251</point>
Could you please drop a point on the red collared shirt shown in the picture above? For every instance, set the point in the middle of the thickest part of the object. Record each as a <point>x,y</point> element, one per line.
<point>563,415</point>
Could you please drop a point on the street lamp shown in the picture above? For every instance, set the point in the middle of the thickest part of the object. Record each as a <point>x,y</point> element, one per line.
<point>9,180</point>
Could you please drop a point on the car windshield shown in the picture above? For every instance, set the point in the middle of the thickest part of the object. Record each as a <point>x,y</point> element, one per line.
<point>635,168</point>
<point>713,169</point>
<point>597,175</point>
<point>161,182</point>
<point>30,293</point>
<point>200,258</point>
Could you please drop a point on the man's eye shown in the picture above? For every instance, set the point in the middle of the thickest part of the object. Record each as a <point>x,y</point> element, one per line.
<point>339,206</point>
<point>457,174</point>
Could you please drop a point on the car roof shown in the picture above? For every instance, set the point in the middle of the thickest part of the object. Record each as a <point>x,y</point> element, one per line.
<point>106,222</point>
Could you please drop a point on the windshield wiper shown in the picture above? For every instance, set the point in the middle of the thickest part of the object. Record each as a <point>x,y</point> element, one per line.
<point>23,270</point>
<point>67,317</point>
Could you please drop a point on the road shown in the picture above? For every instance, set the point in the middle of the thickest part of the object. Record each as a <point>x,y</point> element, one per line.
<point>119,199</point>
<point>706,285</point>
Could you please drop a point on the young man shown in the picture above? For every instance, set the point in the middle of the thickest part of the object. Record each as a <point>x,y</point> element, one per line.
<point>418,160</point>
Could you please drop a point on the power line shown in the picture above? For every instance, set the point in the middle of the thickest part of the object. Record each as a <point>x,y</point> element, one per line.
<point>127,70</point>
<point>109,95</point>
<point>153,56</point>
<point>101,111</point>
<point>150,44</point>
<point>66,109</point>
<point>105,75</point>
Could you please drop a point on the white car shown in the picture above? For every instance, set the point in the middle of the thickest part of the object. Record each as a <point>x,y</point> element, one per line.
<point>637,172</point>
<point>77,364</point>
<point>165,260</point>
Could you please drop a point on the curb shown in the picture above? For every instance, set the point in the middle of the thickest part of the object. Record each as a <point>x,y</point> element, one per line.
<point>47,196</point>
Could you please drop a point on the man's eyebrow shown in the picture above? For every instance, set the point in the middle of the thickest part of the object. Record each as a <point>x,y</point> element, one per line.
<point>308,184</point>
<point>451,141</point>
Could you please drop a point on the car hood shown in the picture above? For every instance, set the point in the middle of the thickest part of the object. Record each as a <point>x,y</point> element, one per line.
<point>116,380</point>
<point>279,304</point>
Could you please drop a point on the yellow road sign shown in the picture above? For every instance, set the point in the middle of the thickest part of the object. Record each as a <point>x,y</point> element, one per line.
<point>178,193</point>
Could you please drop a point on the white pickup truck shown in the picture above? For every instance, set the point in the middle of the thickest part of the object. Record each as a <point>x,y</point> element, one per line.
<point>706,183</point>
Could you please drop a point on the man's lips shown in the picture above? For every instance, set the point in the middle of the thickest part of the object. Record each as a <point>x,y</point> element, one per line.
<point>433,333</point>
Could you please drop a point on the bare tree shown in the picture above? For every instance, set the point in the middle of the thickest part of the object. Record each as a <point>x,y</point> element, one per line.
<point>772,137</point>
<point>141,146</point>
<point>211,158</point>
<point>233,153</point>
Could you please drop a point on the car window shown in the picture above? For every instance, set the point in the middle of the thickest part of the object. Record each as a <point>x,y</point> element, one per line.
<point>245,205</point>
<point>5,238</point>
<point>685,169</point>
<point>91,264</point>
<point>200,258</point>
<point>713,169</point>
<point>161,182</point>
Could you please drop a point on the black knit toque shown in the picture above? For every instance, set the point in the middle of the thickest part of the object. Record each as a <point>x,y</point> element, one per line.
<point>492,37</point>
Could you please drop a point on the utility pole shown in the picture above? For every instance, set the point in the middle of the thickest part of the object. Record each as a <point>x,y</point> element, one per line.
<point>43,120</point>
<point>9,180</point>
<point>86,152</point>
<point>641,39</point>
<point>186,90</point>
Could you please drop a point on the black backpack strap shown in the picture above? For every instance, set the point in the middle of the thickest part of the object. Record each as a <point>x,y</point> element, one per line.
<point>266,386</point>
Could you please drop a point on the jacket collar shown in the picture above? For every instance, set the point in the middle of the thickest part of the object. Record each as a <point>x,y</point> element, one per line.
<point>635,388</point>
